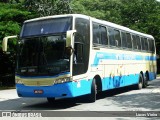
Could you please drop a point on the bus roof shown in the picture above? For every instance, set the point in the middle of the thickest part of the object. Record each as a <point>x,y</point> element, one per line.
<point>57,16</point>
<point>103,22</point>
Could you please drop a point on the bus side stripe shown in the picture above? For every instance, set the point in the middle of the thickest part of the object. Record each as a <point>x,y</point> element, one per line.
<point>112,56</point>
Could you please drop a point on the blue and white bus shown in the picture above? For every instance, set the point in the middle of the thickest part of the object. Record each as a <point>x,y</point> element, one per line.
<point>65,56</point>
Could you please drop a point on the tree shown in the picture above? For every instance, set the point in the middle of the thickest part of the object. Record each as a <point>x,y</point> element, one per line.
<point>106,10</point>
<point>11,18</point>
<point>143,16</point>
<point>5,1</point>
<point>10,1</point>
<point>48,7</point>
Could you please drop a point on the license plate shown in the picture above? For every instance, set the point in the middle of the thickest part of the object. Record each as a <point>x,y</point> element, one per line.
<point>38,91</point>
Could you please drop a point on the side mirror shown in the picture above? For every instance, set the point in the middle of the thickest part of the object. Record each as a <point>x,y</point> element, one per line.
<point>5,42</point>
<point>69,42</point>
<point>69,38</point>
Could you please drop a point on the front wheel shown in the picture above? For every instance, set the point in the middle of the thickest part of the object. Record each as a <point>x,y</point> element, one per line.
<point>92,96</point>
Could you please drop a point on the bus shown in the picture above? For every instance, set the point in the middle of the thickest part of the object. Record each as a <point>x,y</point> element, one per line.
<point>66,56</point>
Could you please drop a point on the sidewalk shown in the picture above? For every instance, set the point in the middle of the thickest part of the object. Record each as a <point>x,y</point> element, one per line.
<point>8,94</point>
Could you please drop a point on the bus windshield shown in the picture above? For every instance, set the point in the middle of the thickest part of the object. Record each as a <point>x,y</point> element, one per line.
<point>46,27</point>
<point>45,55</point>
<point>41,48</point>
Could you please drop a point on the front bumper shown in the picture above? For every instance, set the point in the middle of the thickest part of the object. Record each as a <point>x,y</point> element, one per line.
<point>65,90</point>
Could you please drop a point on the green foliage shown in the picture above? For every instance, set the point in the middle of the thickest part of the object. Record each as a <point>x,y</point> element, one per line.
<point>143,16</point>
<point>10,1</point>
<point>101,9</point>
<point>11,18</point>
<point>48,7</point>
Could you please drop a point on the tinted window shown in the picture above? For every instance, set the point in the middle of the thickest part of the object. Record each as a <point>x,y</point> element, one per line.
<point>111,36</point>
<point>117,38</point>
<point>151,45</point>
<point>129,41</point>
<point>96,34</point>
<point>134,42</point>
<point>143,43</point>
<point>45,55</point>
<point>78,58</point>
<point>146,44</point>
<point>81,46</point>
<point>103,33</point>
<point>124,40</point>
<point>138,42</point>
<point>47,26</point>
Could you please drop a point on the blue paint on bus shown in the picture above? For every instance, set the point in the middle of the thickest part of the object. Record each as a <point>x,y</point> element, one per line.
<point>82,87</point>
<point>65,90</point>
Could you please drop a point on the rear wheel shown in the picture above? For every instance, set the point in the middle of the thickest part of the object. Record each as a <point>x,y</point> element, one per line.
<point>146,78</point>
<point>51,100</point>
<point>140,83</point>
<point>92,96</point>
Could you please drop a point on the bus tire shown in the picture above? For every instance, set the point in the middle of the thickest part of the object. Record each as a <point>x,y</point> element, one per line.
<point>140,82</point>
<point>51,100</point>
<point>92,96</point>
<point>145,82</point>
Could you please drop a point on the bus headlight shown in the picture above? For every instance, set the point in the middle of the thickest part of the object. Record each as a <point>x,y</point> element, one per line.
<point>19,81</point>
<point>62,80</point>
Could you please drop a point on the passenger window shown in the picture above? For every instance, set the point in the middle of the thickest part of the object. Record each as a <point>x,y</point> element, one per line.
<point>143,43</point>
<point>111,37</point>
<point>146,44</point>
<point>124,40</point>
<point>151,45</point>
<point>96,34</point>
<point>135,46</point>
<point>117,38</point>
<point>129,40</point>
<point>138,42</point>
<point>103,33</point>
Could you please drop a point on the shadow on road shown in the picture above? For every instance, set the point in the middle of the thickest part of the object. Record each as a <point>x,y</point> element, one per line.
<point>138,101</point>
<point>57,105</point>
<point>42,104</point>
<point>36,104</point>
<point>148,100</point>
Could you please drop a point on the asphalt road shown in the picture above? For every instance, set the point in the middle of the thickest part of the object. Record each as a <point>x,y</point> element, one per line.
<point>124,99</point>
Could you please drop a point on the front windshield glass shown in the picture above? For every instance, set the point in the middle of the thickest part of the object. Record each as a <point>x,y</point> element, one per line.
<point>46,27</point>
<point>43,55</point>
